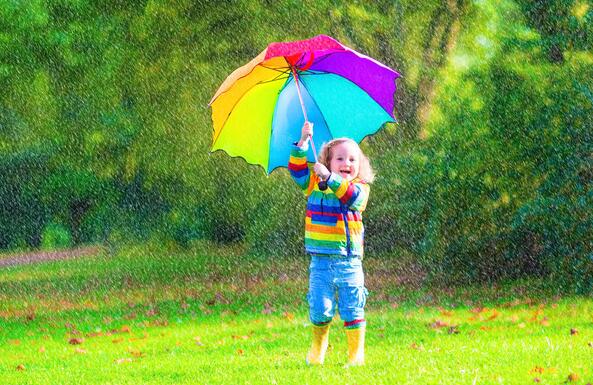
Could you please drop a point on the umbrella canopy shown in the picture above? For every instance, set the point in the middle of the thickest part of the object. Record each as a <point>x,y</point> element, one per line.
<point>257,114</point>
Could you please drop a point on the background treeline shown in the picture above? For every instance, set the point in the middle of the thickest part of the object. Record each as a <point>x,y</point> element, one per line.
<point>105,130</point>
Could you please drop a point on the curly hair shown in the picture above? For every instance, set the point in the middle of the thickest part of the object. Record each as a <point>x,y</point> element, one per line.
<point>365,171</point>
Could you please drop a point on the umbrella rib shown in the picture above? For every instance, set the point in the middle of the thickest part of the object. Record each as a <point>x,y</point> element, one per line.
<point>318,109</point>
<point>277,69</point>
<point>279,77</point>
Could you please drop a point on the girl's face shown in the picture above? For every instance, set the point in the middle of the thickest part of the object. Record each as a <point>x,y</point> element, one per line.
<point>345,160</point>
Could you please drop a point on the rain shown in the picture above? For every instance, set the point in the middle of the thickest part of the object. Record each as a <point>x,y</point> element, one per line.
<point>132,252</point>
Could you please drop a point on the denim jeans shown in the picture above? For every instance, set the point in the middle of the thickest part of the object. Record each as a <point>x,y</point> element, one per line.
<point>341,277</point>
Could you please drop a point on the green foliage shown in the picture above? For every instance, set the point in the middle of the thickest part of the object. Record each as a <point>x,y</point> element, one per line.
<point>104,128</point>
<point>55,236</point>
<point>505,170</point>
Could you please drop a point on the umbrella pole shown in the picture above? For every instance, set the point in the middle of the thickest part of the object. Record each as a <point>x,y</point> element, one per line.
<point>296,80</point>
<point>322,184</point>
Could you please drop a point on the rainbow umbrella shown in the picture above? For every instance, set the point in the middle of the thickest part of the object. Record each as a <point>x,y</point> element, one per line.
<point>259,109</point>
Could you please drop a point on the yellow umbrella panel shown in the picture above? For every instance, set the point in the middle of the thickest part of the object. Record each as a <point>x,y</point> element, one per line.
<point>243,109</point>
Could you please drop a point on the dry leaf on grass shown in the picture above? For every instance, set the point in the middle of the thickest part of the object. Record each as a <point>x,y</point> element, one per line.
<point>123,360</point>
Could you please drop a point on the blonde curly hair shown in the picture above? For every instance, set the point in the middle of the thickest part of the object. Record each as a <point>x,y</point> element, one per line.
<point>365,171</point>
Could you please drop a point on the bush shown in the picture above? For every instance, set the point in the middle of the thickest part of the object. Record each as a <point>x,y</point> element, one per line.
<point>55,236</point>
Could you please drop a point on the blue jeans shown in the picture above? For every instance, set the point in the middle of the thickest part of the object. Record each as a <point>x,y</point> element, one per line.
<point>342,276</point>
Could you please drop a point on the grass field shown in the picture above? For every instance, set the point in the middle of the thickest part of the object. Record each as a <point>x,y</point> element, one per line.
<point>145,316</point>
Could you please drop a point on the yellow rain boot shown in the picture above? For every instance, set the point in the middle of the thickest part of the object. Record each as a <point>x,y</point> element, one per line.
<point>355,346</point>
<point>319,345</point>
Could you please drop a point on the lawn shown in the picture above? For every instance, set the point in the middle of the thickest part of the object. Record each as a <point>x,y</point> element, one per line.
<point>143,316</point>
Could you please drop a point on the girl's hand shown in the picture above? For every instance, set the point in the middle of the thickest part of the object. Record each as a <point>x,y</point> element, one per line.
<point>321,171</point>
<point>306,131</point>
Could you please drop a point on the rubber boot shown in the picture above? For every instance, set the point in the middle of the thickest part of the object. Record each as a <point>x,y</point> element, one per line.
<point>355,346</point>
<point>319,345</point>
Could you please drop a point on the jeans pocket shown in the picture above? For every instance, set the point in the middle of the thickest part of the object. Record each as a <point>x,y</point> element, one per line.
<point>363,293</point>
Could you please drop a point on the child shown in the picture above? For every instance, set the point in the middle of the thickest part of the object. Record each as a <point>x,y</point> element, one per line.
<point>334,239</point>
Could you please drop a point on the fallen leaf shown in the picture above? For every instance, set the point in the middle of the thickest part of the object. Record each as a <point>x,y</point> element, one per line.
<point>535,315</point>
<point>80,351</point>
<point>123,360</point>
<point>438,324</point>
<point>20,367</point>
<point>536,379</point>
<point>76,341</point>
<point>573,332</point>
<point>117,340</point>
<point>494,315</point>
<point>240,352</point>
<point>545,322</point>
<point>445,313</point>
<point>415,346</point>
<point>131,316</point>
<point>537,369</point>
<point>573,377</point>
<point>136,353</point>
<point>125,329</point>
<point>240,337</point>
<point>288,316</point>
<point>267,309</point>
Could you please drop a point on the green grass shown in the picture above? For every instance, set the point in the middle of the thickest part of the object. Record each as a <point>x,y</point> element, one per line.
<point>219,317</point>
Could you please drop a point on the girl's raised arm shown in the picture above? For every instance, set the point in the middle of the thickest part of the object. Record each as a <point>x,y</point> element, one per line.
<point>299,170</point>
<point>297,163</point>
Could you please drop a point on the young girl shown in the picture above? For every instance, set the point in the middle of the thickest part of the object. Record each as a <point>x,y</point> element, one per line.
<point>334,239</point>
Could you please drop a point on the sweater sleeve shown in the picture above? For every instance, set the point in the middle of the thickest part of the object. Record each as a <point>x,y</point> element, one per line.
<point>353,194</point>
<point>299,170</point>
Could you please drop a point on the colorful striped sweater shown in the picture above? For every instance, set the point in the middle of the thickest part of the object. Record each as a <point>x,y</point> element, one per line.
<point>333,223</point>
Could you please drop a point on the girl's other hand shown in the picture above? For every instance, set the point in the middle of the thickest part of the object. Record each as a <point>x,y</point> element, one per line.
<point>321,171</point>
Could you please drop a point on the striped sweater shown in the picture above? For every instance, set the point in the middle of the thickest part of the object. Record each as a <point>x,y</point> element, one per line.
<point>333,223</point>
